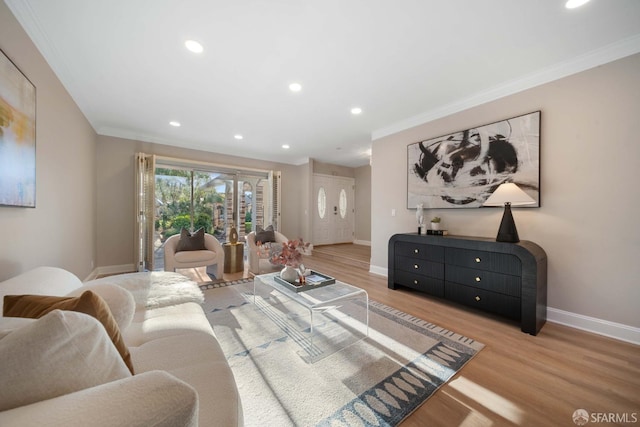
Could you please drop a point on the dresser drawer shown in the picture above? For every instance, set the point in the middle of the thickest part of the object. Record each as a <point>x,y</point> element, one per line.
<point>420,266</point>
<point>504,305</point>
<point>487,280</point>
<point>417,250</point>
<point>482,260</point>
<point>422,283</point>
<point>506,279</point>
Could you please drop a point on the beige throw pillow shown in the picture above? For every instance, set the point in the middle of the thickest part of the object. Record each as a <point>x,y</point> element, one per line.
<point>35,306</point>
<point>120,301</point>
<point>60,353</point>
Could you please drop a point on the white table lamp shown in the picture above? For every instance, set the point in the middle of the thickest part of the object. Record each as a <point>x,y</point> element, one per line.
<point>508,195</point>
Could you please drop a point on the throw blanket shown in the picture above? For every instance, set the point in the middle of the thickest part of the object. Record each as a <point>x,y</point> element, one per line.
<point>157,288</point>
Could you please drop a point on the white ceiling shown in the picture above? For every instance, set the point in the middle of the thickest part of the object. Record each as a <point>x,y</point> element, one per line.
<point>403,62</point>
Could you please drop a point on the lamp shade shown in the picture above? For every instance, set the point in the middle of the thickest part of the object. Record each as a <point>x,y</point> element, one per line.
<point>509,193</point>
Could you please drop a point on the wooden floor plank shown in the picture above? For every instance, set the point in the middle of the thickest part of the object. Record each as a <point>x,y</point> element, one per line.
<point>517,379</point>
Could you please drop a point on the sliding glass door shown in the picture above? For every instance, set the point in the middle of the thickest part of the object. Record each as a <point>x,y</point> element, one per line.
<point>189,199</point>
<point>213,198</point>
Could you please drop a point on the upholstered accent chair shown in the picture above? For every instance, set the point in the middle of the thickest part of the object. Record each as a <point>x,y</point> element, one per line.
<point>258,259</point>
<point>212,256</point>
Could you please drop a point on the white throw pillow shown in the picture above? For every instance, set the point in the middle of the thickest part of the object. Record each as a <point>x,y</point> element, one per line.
<point>60,353</point>
<point>120,301</point>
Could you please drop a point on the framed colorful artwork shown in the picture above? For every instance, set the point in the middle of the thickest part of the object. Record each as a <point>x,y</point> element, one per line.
<point>17,136</point>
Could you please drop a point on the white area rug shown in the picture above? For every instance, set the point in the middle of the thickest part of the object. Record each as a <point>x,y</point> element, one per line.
<point>376,381</point>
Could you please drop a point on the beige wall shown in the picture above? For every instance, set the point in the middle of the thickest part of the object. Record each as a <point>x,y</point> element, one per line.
<point>590,170</point>
<point>115,187</point>
<point>363,204</point>
<point>60,231</point>
<point>331,169</point>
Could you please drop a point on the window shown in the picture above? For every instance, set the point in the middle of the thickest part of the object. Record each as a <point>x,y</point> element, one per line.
<point>322,202</point>
<point>343,203</point>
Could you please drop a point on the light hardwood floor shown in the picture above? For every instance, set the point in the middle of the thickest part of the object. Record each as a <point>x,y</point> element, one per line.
<point>517,379</point>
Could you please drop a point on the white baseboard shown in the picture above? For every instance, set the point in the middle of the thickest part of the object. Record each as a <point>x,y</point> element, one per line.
<point>93,275</point>
<point>111,269</point>
<point>609,329</point>
<point>362,242</point>
<point>380,271</point>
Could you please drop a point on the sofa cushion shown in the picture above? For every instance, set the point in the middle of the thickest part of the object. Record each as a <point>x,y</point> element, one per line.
<point>191,241</point>
<point>154,398</point>
<point>197,359</point>
<point>10,324</point>
<point>149,325</point>
<point>60,353</point>
<point>194,256</point>
<point>120,301</point>
<point>35,306</point>
<point>266,235</point>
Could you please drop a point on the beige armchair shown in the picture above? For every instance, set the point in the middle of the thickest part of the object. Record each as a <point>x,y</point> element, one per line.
<point>212,257</point>
<point>260,264</point>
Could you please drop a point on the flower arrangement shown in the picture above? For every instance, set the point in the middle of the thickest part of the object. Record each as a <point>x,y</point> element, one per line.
<point>291,253</point>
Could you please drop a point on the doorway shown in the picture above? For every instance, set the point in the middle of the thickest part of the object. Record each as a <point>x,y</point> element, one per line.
<point>173,194</point>
<point>334,212</point>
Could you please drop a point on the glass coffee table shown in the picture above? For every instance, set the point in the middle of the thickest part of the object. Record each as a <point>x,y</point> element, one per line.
<point>322,320</point>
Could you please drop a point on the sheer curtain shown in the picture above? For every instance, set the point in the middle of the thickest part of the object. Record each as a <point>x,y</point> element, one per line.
<point>275,180</point>
<point>145,211</point>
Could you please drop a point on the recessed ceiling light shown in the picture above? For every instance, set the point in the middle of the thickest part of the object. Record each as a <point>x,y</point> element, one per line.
<point>295,87</point>
<point>286,146</point>
<point>194,46</point>
<point>238,136</point>
<point>572,4</point>
<point>356,110</point>
<point>175,124</point>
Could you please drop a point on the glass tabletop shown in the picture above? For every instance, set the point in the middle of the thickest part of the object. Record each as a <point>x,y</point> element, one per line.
<point>314,298</point>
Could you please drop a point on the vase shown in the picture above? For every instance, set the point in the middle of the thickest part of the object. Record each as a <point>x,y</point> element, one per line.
<point>233,235</point>
<point>289,273</point>
<point>435,226</point>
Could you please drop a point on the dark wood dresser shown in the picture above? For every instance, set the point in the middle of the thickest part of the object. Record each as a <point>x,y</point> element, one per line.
<point>508,279</point>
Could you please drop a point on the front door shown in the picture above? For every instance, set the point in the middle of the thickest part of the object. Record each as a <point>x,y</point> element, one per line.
<point>334,213</point>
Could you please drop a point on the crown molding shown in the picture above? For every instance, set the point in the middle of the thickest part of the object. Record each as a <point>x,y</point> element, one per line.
<point>604,55</point>
<point>30,23</point>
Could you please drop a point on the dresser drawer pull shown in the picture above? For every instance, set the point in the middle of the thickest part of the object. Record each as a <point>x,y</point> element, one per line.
<point>478,278</point>
<point>478,259</point>
<point>477,298</point>
<point>416,266</point>
<point>415,251</point>
<point>415,282</point>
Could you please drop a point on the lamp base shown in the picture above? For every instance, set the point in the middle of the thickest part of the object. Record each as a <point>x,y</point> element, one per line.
<point>507,231</point>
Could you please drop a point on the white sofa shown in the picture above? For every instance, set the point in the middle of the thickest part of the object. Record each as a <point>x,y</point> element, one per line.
<point>181,376</point>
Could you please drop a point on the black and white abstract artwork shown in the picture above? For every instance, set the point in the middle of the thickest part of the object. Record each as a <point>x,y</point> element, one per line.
<point>462,169</point>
